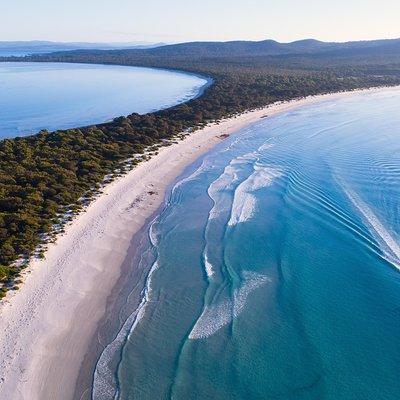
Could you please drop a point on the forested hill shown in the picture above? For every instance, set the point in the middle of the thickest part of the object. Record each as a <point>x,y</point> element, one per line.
<point>376,56</point>
<point>45,176</point>
<point>263,48</point>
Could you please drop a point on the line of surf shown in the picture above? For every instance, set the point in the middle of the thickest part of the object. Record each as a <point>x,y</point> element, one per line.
<point>387,243</point>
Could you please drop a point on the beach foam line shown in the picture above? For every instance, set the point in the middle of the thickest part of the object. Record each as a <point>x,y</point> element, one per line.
<point>219,192</point>
<point>244,201</point>
<point>208,266</point>
<point>226,182</point>
<point>215,316</point>
<point>105,382</point>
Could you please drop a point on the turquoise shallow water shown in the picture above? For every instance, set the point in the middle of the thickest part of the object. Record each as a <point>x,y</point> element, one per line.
<point>35,96</point>
<point>274,267</point>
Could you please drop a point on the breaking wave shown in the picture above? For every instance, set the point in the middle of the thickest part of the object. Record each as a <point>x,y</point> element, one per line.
<point>216,316</point>
<point>245,202</point>
<point>387,243</point>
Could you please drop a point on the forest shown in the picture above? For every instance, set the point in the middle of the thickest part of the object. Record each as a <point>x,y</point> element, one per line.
<point>47,178</point>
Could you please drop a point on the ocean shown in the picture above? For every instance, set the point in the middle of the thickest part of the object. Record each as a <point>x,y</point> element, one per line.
<point>35,96</point>
<point>272,271</point>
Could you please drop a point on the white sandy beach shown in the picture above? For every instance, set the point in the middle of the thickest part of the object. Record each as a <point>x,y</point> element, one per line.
<point>46,326</point>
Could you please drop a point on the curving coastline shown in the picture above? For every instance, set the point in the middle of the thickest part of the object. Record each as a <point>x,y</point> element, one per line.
<point>46,331</point>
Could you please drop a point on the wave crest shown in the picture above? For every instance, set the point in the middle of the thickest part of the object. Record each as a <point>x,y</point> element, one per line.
<point>245,202</point>
<point>216,316</point>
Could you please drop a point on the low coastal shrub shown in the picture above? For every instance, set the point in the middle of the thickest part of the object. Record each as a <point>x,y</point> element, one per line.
<point>4,273</point>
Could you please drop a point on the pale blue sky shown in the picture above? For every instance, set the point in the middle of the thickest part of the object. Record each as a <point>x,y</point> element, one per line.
<point>183,20</point>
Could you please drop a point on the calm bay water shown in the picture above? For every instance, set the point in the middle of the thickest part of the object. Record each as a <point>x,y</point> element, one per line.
<point>274,267</point>
<point>35,96</point>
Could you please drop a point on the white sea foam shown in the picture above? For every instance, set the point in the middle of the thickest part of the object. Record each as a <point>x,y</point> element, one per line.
<point>104,382</point>
<point>219,193</point>
<point>252,156</point>
<point>208,266</point>
<point>245,202</point>
<point>229,178</point>
<point>386,241</point>
<point>265,146</point>
<point>224,182</point>
<point>153,233</point>
<point>243,208</point>
<point>216,316</point>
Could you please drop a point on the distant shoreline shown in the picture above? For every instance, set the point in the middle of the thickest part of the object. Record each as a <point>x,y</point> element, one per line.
<point>49,325</point>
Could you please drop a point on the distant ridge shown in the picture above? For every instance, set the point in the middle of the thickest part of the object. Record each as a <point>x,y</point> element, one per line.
<point>42,46</point>
<point>385,49</point>
<point>270,47</point>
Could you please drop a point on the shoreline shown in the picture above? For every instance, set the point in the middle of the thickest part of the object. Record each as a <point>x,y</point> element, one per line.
<point>46,334</point>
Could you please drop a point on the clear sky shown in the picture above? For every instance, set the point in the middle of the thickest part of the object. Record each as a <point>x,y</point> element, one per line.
<point>184,20</point>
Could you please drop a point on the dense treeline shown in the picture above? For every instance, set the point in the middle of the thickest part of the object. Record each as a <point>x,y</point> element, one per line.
<point>46,175</point>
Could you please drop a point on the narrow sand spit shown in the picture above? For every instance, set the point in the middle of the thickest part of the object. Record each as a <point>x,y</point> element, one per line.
<point>46,327</point>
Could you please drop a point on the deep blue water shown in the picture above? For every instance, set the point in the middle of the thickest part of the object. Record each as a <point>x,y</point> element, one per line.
<point>35,96</point>
<point>274,267</point>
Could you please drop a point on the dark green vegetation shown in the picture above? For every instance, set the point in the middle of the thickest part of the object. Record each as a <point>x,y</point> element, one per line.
<point>46,175</point>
